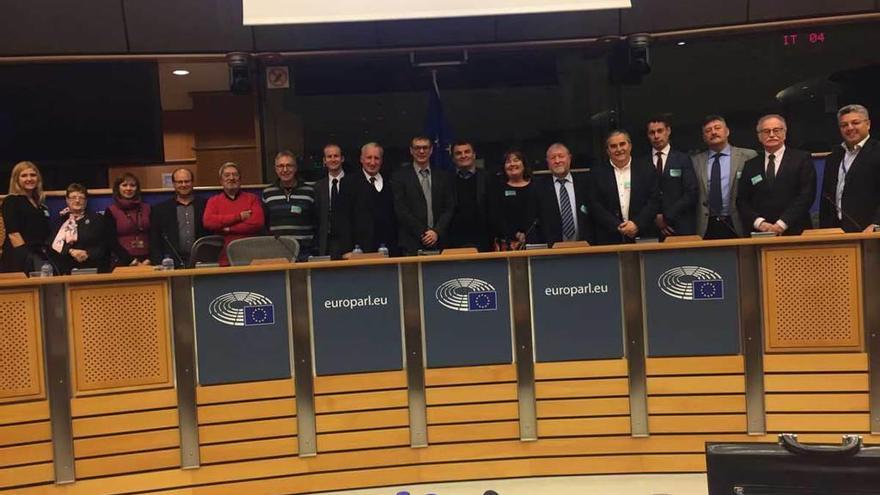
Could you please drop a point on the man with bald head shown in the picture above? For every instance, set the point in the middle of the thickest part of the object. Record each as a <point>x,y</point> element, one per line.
<point>851,182</point>
<point>778,186</point>
<point>561,201</point>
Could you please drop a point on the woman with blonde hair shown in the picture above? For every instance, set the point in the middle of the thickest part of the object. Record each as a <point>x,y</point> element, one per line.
<point>26,219</point>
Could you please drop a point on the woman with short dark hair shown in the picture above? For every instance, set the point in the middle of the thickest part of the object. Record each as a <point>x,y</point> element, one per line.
<point>128,223</point>
<point>511,205</point>
<point>80,240</point>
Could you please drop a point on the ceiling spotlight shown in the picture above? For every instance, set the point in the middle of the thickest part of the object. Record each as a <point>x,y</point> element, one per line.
<point>180,72</point>
<point>682,43</point>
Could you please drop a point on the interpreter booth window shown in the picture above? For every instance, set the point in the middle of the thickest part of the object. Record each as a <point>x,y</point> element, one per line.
<point>804,73</point>
<point>497,99</point>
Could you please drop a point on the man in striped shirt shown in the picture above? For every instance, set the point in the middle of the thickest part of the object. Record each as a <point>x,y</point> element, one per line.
<point>290,204</point>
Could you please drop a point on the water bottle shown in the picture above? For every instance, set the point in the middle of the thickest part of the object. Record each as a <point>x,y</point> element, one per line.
<point>383,250</point>
<point>46,270</point>
<point>357,249</point>
<point>167,263</point>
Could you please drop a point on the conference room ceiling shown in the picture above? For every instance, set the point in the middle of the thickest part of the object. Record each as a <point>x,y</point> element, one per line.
<point>113,27</point>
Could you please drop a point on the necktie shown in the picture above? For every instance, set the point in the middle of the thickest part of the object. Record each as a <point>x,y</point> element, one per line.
<point>716,204</point>
<point>373,182</point>
<point>568,232</point>
<point>334,193</point>
<point>425,180</point>
<point>660,163</point>
<point>771,169</point>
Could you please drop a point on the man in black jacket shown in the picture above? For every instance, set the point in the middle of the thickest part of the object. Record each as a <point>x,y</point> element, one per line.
<point>371,218</point>
<point>561,200</point>
<point>177,223</point>
<point>423,200</point>
<point>623,194</point>
<point>851,183</point>
<point>778,186</point>
<point>470,223</point>
<point>678,183</point>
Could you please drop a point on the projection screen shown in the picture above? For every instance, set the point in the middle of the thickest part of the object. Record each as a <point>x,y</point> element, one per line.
<point>262,12</point>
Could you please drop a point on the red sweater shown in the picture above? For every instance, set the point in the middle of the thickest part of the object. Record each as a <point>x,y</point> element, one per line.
<point>223,217</point>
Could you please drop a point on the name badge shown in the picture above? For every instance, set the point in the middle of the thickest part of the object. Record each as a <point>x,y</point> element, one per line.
<point>509,193</point>
<point>739,174</point>
<point>584,209</point>
<point>296,209</point>
<point>626,184</point>
<point>756,179</point>
<point>46,213</point>
<point>675,172</point>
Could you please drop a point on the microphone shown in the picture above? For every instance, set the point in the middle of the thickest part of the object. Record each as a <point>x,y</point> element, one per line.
<point>839,212</point>
<point>286,247</point>
<point>173,250</point>
<point>527,234</point>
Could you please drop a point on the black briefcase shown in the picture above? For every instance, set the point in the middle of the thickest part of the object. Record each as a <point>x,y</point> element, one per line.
<point>791,468</point>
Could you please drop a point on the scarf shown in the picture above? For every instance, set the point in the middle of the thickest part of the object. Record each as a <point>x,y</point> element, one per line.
<point>67,234</point>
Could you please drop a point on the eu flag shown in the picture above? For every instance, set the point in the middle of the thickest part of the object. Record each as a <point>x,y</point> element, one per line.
<point>708,289</point>
<point>438,129</point>
<point>259,315</point>
<point>482,301</point>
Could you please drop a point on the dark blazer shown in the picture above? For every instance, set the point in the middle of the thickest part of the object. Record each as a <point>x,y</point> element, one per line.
<point>336,221</point>
<point>372,220</point>
<point>678,191</point>
<point>459,238</point>
<point>861,192</point>
<point>547,209</point>
<point>91,237</point>
<point>604,202</point>
<point>788,199</point>
<point>411,208</point>
<point>163,221</point>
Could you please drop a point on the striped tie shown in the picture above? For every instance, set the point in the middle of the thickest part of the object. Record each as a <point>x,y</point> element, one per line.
<point>568,232</point>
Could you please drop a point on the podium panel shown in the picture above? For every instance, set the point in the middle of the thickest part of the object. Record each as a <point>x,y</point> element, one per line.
<point>21,346</point>
<point>691,302</point>
<point>356,320</point>
<point>241,327</point>
<point>576,307</point>
<point>466,313</point>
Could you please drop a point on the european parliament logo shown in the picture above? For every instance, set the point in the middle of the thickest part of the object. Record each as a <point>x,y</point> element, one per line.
<point>242,309</point>
<point>692,283</point>
<point>467,294</point>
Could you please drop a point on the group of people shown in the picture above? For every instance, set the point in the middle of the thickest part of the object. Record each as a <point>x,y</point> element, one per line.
<point>723,192</point>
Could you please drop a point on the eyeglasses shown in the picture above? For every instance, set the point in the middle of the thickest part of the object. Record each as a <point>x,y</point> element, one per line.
<point>285,166</point>
<point>421,147</point>
<point>76,198</point>
<point>776,130</point>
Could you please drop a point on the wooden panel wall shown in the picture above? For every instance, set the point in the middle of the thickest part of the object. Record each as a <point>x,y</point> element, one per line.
<point>820,393</point>
<point>245,421</point>
<point>21,346</point>
<point>125,433</point>
<point>361,412</point>
<point>25,444</point>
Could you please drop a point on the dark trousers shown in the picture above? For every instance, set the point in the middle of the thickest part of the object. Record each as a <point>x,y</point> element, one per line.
<point>719,227</point>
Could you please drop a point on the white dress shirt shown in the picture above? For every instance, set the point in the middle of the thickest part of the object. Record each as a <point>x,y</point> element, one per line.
<point>330,181</point>
<point>849,156</point>
<point>777,162</point>
<point>569,187</point>
<point>624,187</point>
<point>664,153</point>
<point>378,183</point>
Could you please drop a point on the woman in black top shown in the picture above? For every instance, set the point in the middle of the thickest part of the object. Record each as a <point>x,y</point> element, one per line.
<point>26,220</point>
<point>513,208</point>
<point>80,240</point>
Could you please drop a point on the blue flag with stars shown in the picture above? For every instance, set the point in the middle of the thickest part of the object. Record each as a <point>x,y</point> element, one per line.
<point>259,315</point>
<point>482,301</point>
<point>708,289</point>
<point>437,128</point>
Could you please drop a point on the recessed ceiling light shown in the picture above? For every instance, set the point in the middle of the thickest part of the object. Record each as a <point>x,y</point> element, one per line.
<point>682,43</point>
<point>180,72</point>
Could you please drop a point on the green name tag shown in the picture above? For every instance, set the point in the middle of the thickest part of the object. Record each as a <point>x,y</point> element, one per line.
<point>296,209</point>
<point>626,184</point>
<point>509,193</point>
<point>675,172</point>
<point>584,209</point>
<point>756,179</point>
<point>739,174</point>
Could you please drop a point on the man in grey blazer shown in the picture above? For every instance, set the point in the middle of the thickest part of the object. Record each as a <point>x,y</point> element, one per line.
<point>718,170</point>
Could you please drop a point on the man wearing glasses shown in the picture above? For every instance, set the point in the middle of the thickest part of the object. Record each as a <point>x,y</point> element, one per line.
<point>290,204</point>
<point>177,223</point>
<point>423,200</point>
<point>851,182</point>
<point>778,186</point>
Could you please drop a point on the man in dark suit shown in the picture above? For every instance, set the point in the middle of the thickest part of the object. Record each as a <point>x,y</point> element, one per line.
<point>623,198</point>
<point>561,201</point>
<point>678,183</point>
<point>177,223</point>
<point>851,183</point>
<point>371,219</point>
<point>334,237</point>
<point>470,223</point>
<point>423,200</point>
<point>777,187</point>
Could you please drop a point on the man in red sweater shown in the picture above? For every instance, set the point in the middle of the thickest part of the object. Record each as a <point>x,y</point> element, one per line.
<point>234,213</point>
